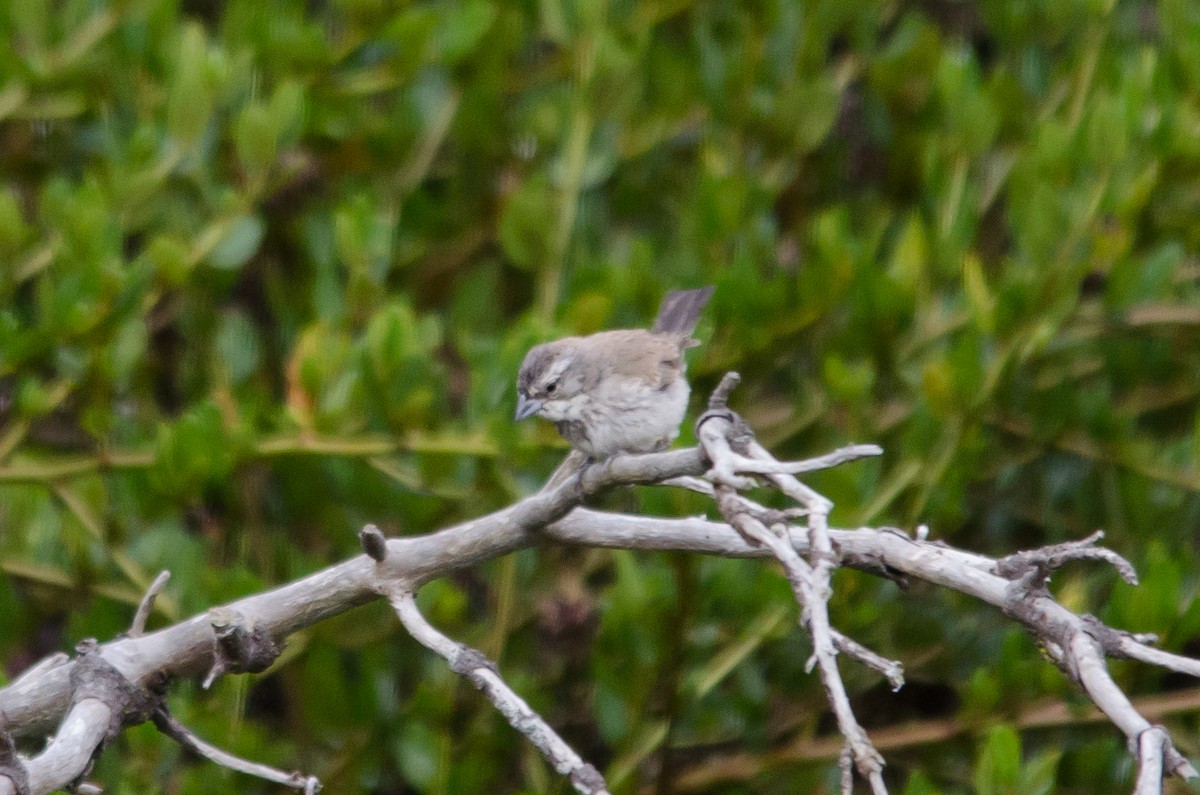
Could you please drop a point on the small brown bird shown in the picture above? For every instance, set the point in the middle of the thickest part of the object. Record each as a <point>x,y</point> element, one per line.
<point>616,391</point>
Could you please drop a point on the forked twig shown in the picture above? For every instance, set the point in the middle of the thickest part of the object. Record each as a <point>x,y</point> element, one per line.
<point>718,432</point>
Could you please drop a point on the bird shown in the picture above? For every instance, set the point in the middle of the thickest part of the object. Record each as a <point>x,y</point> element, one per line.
<point>621,391</point>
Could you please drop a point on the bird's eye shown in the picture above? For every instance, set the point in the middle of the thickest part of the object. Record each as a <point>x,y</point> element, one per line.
<point>550,387</point>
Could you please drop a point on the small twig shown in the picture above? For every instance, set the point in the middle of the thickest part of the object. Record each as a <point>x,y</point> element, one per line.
<point>719,399</point>
<point>571,466</point>
<point>698,485</point>
<point>481,672</point>
<point>138,625</point>
<point>768,516</point>
<point>168,725</point>
<point>753,466</point>
<point>824,560</point>
<point>790,486</point>
<point>87,788</point>
<point>1129,647</point>
<point>892,670</point>
<point>735,469</point>
<point>1037,564</point>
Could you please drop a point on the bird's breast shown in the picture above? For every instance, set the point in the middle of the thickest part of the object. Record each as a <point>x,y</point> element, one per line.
<point>628,415</point>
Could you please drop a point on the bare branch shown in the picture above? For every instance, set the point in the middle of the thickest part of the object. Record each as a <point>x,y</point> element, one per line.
<point>719,399</point>
<point>483,674</point>
<point>1151,747</point>
<point>102,703</point>
<point>246,635</point>
<point>55,660</point>
<point>1087,659</point>
<point>1128,646</point>
<point>892,670</point>
<point>14,777</point>
<point>698,485</point>
<point>846,765</point>
<point>810,583</point>
<point>68,756</point>
<point>1039,563</point>
<point>752,466</point>
<point>171,727</point>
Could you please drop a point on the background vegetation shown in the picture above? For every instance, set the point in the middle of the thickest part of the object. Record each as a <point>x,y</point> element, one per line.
<point>268,267</point>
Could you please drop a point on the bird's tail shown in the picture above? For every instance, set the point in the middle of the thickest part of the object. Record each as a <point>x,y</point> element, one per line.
<point>680,311</point>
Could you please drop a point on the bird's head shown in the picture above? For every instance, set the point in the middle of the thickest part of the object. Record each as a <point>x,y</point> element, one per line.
<point>551,381</point>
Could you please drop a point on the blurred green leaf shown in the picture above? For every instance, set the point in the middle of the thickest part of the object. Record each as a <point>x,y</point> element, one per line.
<point>192,451</point>
<point>190,100</point>
<point>240,242</point>
<point>462,30</point>
<point>526,222</point>
<point>998,770</point>
<point>237,346</point>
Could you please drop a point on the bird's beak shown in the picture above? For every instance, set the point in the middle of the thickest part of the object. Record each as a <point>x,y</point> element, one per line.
<point>526,407</point>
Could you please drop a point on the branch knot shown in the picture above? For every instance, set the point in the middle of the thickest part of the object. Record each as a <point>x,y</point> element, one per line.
<point>469,660</point>
<point>587,778</point>
<point>95,677</point>
<point>373,543</point>
<point>239,647</point>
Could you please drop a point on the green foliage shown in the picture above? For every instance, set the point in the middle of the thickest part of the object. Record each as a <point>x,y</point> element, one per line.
<point>268,268</point>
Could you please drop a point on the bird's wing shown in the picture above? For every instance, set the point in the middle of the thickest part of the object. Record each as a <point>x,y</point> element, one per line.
<point>637,353</point>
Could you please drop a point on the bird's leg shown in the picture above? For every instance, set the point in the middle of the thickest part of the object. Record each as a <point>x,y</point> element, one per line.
<point>572,466</point>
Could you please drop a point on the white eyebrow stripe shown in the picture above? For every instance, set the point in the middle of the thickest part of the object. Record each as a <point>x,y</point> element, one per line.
<point>557,368</point>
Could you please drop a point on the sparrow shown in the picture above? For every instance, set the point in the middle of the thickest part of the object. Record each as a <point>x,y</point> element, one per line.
<point>620,391</point>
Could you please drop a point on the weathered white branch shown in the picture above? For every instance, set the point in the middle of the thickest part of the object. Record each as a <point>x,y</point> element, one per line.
<point>742,465</point>
<point>482,673</point>
<point>1129,647</point>
<point>892,670</point>
<point>171,727</point>
<point>1039,563</point>
<point>68,756</point>
<point>41,666</point>
<point>810,582</point>
<point>846,765</point>
<point>1151,746</point>
<point>1087,658</point>
<point>44,699</point>
<point>33,702</point>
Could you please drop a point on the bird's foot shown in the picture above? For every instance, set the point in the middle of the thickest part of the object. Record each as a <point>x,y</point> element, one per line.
<point>572,466</point>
